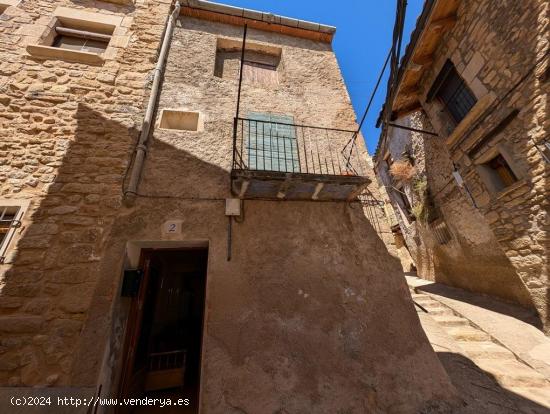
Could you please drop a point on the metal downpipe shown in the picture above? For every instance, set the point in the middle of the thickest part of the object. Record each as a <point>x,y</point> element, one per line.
<point>141,148</point>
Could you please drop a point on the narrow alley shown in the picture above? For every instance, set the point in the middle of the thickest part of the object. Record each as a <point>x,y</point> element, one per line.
<point>496,358</point>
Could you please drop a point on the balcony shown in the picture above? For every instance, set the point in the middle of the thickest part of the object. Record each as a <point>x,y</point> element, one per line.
<point>285,161</point>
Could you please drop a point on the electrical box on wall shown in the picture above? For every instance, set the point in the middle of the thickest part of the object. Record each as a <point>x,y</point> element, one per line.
<point>233,207</point>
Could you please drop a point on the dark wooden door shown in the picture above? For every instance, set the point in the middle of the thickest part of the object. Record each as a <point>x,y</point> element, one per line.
<point>134,370</point>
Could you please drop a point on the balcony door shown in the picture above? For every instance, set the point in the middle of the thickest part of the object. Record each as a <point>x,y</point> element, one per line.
<point>272,143</point>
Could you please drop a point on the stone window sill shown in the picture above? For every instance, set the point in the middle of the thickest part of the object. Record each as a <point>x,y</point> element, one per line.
<point>48,52</point>
<point>508,190</point>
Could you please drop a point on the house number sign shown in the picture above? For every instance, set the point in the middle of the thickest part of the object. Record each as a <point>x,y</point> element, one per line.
<point>172,227</point>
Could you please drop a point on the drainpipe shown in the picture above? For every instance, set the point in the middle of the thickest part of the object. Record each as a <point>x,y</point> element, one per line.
<point>141,149</point>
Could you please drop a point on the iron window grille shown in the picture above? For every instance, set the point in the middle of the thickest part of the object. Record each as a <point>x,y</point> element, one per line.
<point>403,202</point>
<point>451,90</point>
<point>441,231</point>
<point>9,221</point>
<point>544,149</point>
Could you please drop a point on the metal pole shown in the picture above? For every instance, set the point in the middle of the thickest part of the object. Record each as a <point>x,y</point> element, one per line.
<point>241,71</point>
<point>238,98</point>
<point>421,131</point>
<point>229,237</point>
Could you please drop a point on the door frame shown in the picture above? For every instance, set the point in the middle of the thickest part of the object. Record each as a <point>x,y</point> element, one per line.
<point>130,336</point>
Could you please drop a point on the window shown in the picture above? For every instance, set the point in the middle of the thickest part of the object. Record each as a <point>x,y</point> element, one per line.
<point>404,203</point>
<point>544,149</point>
<point>179,120</point>
<point>271,143</point>
<point>9,221</point>
<point>80,40</point>
<point>497,173</point>
<point>260,66</point>
<point>78,36</point>
<point>451,90</point>
<point>440,231</point>
<point>260,69</point>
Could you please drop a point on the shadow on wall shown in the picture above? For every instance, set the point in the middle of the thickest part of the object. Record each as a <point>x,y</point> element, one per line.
<point>65,279</point>
<point>327,251</point>
<point>52,281</point>
<point>542,116</point>
<point>480,390</point>
<point>472,265</point>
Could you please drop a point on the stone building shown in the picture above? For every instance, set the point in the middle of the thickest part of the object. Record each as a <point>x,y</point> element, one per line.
<point>470,139</point>
<point>152,239</point>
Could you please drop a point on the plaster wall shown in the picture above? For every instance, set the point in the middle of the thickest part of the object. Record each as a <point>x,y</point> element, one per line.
<point>300,272</point>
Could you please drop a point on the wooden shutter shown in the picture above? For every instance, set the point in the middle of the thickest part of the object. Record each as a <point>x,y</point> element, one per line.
<point>272,144</point>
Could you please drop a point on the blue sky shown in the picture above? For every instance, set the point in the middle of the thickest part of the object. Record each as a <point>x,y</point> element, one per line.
<point>363,37</point>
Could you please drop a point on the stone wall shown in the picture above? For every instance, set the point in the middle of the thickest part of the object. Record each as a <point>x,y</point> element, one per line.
<point>468,259</point>
<point>68,131</point>
<point>500,49</point>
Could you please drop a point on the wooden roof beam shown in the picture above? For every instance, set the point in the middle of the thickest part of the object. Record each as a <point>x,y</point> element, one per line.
<point>443,23</point>
<point>400,113</point>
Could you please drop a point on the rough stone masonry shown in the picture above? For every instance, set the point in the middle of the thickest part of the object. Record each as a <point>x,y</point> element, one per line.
<point>498,235</point>
<point>311,314</point>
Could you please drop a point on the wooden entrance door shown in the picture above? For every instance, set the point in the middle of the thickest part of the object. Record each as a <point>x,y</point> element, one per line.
<point>133,375</point>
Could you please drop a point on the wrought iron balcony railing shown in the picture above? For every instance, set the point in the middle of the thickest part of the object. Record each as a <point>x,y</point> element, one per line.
<point>309,161</point>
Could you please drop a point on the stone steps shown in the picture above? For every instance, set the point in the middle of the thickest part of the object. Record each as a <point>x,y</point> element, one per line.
<point>440,311</point>
<point>429,305</point>
<point>420,296</point>
<point>450,321</point>
<point>468,333</point>
<point>495,360</point>
<point>485,350</point>
<point>510,374</point>
<point>424,300</point>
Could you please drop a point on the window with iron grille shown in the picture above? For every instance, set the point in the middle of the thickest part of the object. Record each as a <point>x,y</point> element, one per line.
<point>9,221</point>
<point>404,203</point>
<point>451,90</point>
<point>271,143</point>
<point>440,231</point>
<point>544,149</point>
